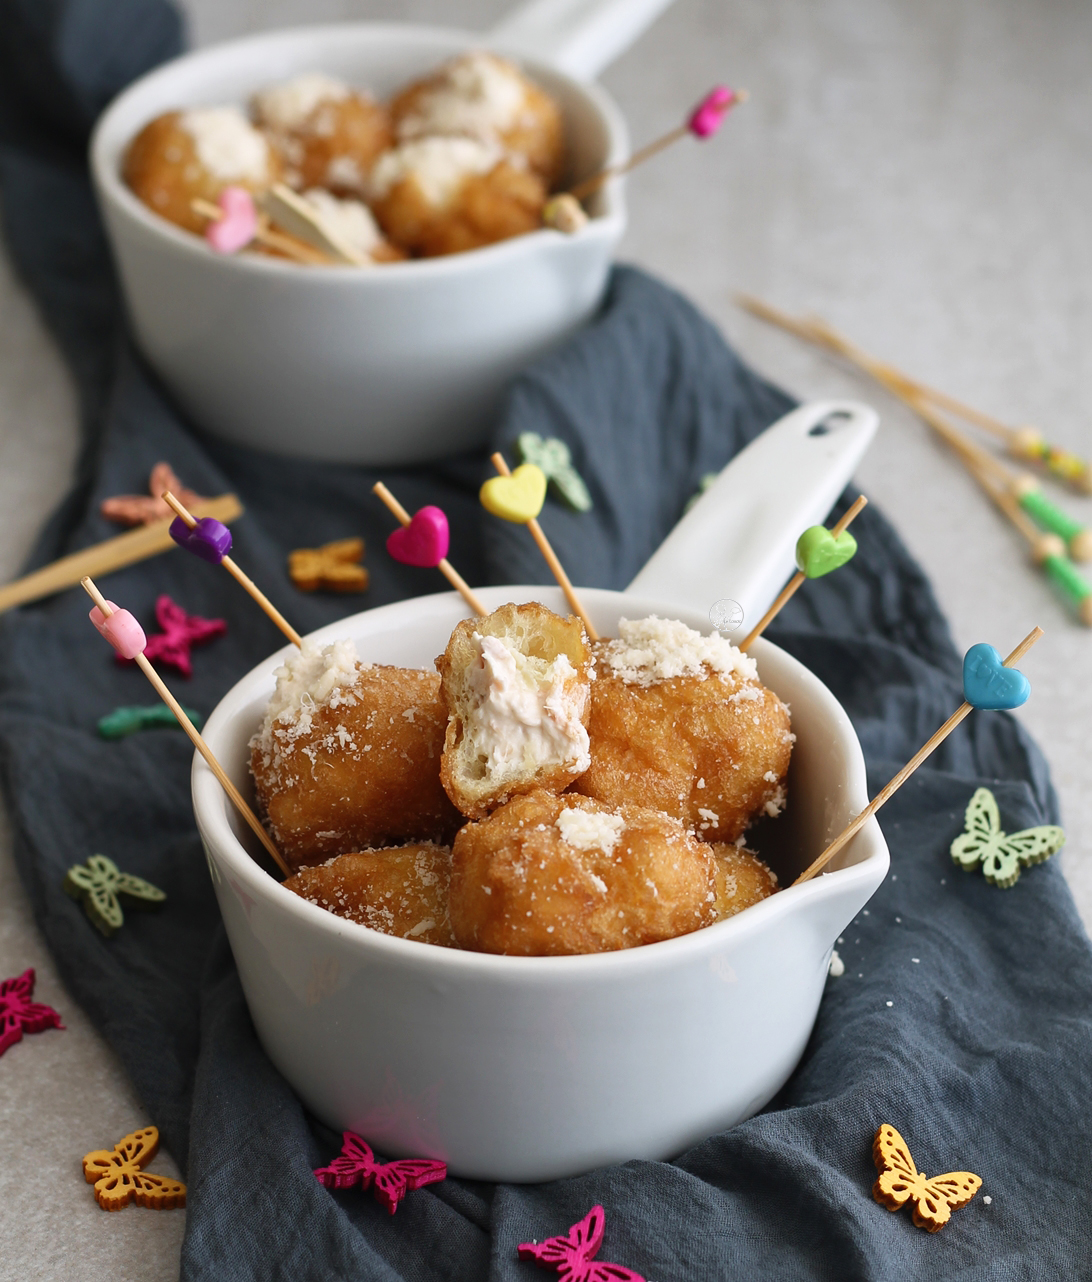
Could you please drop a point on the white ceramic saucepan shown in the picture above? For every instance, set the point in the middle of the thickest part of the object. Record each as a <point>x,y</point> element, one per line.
<point>389,365</point>
<point>533,1068</point>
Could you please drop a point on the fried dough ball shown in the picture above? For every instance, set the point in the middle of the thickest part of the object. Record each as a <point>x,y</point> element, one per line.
<point>741,879</point>
<point>328,134</point>
<point>348,756</point>
<point>680,722</point>
<point>446,195</point>
<point>189,155</point>
<point>352,222</point>
<point>401,890</point>
<point>478,95</point>
<point>516,688</point>
<point>548,875</point>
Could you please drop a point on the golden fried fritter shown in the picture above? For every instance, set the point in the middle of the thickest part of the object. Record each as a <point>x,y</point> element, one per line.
<point>401,890</point>
<point>547,875</point>
<point>742,879</point>
<point>184,156</point>
<point>709,746</point>
<point>478,95</point>
<point>516,688</point>
<point>348,757</point>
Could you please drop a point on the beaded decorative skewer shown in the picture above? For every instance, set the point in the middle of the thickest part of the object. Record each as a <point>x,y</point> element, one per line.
<point>981,681</point>
<point>525,514</point>
<point>211,541</point>
<point>442,564</point>
<point>1025,443</point>
<point>127,637</point>
<point>797,580</point>
<point>234,223</point>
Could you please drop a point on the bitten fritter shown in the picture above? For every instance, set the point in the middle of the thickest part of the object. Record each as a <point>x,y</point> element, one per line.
<point>193,155</point>
<point>478,95</point>
<point>547,875</point>
<point>445,195</point>
<point>401,890</point>
<point>516,688</point>
<point>327,134</point>
<point>742,879</point>
<point>680,722</point>
<point>348,756</point>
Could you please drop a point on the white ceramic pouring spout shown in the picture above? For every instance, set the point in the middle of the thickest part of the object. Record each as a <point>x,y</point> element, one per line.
<point>578,37</point>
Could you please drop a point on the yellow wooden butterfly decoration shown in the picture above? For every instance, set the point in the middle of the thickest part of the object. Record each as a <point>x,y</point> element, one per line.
<point>119,1177</point>
<point>901,1182</point>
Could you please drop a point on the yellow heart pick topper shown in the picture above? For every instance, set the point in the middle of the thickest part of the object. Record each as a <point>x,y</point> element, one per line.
<point>518,497</point>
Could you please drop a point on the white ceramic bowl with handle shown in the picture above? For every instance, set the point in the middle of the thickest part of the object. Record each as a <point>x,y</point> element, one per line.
<point>533,1068</point>
<point>390,365</point>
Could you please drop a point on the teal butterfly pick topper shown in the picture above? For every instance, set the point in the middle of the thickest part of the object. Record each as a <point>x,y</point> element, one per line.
<point>1002,855</point>
<point>102,886</point>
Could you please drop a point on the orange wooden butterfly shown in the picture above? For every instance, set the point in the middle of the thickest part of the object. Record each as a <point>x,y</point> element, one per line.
<point>119,1177</point>
<point>900,1182</point>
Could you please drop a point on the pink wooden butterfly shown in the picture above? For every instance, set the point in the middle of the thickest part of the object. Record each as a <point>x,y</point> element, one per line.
<point>391,1181</point>
<point>180,632</point>
<point>573,1255</point>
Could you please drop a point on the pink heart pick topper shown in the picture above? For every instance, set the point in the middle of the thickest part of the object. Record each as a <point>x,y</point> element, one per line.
<point>237,225</point>
<point>121,630</point>
<point>424,542</point>
<point>573,1255</point>
<point>708,115</point>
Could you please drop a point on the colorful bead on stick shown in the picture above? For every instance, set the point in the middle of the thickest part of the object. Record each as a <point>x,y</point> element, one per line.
<point>390,1181</point>
<point>126,721</point>
<point>18,1014</point>
<point>424,542</point>
<point>900,1182</point>
<point>101,886</point>
<point>1002,855</point>
<point>334,567</point>
<point>573,1255</point>
<point>988,684</point>
<point>209,539</point>
<point>819,552</point>
<point>517,498</point>
<point>237,225</point>
<point>119,1177</point>
<point>708,116</point>
<point>146,509</point>
<point>1028,443</point>
<point>1071,584</point>
<point>1048,516</point>
<point>553,457</point>
<point>121,630</point>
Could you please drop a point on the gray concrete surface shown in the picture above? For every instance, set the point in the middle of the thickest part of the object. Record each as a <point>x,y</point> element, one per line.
<point>916,171</point>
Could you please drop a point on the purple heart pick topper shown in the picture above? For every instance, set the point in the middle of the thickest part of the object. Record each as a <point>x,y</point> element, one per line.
<point>209,539</point>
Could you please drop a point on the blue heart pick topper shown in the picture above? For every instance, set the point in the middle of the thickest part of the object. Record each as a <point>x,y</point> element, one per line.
<point>987,683</point>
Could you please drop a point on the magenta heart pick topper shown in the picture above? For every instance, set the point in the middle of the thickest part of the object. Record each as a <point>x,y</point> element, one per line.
<point>708,116</point>
<point>424,542</point>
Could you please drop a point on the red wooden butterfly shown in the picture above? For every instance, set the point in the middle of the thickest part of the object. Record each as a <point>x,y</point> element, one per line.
<point>391,1181</point>
<point>573,1255</point>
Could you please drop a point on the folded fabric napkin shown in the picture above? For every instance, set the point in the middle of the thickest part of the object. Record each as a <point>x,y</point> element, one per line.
<point>964,1016</point>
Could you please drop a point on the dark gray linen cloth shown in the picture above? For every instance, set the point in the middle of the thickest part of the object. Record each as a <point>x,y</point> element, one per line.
<point>964,1017</point>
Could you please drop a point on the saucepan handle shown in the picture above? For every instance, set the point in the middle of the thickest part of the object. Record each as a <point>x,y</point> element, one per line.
<point>578,37</point>
<point>738,541</point>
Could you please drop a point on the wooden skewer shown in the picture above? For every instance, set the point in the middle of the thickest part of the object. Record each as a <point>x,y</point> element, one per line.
<point>243,579</point>
<point>110,555</point>
<point>896,783</point>
<point>591,185</point>
<point>797,580</point>
<point>556,568</point>
<point>445,567</point>
<point>195,736</point>
<point>264,235</point>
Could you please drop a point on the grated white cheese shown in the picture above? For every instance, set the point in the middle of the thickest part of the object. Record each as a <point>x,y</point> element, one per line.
<point>476,95</point>
<point>837,966</point>
<point>590,830</point>
<point>439,167</point>
<point>655,649</point>
<point>227,144</point>
<point>350,221</point>
<point>312,678</point>
<point>288,107</point>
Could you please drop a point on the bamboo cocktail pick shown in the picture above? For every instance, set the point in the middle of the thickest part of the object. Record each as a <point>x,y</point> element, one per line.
<point>521,503</point>
<point>887,792</point>
<point>443,564</point>
<point>210,544</point>
<point>790,588</point>
<point>110,555</point>
<point>230,230</point>
<point>127,637</point>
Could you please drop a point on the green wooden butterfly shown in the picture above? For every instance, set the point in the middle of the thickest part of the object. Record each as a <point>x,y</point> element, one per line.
<point>1001,854</point>
<point>552,456</point>
<point>102,886</point>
